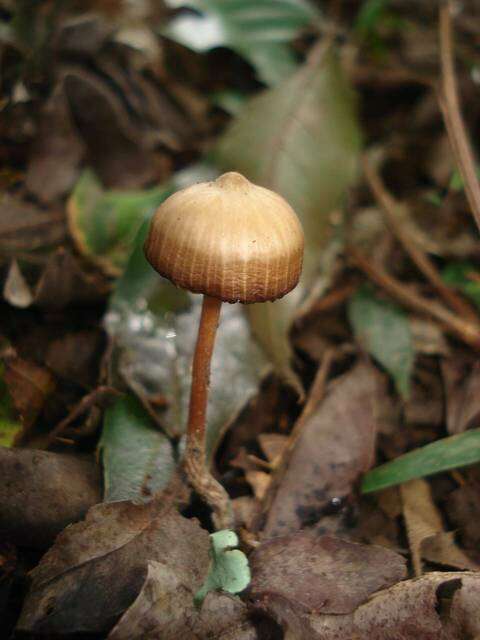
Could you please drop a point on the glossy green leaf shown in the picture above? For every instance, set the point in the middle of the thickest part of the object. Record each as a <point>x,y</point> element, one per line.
<point>258,30</point>
<point>229,570</point>
<point>449,453</point>
<point>302,140</point>
<point>138,460</point>
<point>465,277</point>
<point>104,223</point>
<point>382,328</point>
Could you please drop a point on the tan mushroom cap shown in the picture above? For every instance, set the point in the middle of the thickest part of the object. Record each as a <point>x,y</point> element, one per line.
<point>229,239</point>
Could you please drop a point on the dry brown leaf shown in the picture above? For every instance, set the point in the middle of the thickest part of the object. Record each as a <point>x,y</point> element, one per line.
<point>272,445</point>
<point>437,606</point>
<point>57,151</point>
<point>97,567</point>
<point>426,536</point>
<point>164,610</point>
<point>335,447</point>
<point>41,493</point>
<point>462,390</point>
<point>463,509</point>
<point>29,386</point>
<point>302,574</point>
<point>24,227</point>
<point>259,481</point>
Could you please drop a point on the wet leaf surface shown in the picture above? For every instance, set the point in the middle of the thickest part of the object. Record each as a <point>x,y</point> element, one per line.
<point>43,492</point>
<point>292,139</point>
<point>154,326</point>
<point>97,567</point>
<point>336,446</point>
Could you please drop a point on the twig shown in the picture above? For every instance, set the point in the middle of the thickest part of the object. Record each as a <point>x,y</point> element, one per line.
<point>450,106</point>
<point>463,329</point>
<point>409,243</point>
<point>315,395</point>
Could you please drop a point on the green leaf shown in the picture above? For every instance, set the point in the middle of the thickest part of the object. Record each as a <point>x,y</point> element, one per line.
<point>449,453</point>
<point>137,458</point>
<point>104,223</point>
<point>154,327</point>
<point>258,30</point>
<point>229,570</point>
<point>382,328</point>
<point>465,277</point>
<point>302,140</point>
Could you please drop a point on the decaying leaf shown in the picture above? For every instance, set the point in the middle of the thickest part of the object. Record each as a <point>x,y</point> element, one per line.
<point>336,446</point>
<point>97,567</point>
<point>438,605</point>
<point>57,151</point>
<point>426,535</point>
<point>293,139</point>
<point>24,227</point>
<point>138,459</point>
<point>462,385</point>
<point>30,387</point>
<point>114,146</point>
<point>300,575</point>
<point>43,492</point>
<point>164,610</point>
<point>229,570</point>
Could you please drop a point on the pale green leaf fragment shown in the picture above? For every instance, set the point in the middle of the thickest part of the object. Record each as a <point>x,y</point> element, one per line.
<point>448,453</point>
<point>229,570</point>
<point>383,329</point>
<point>138,459</point>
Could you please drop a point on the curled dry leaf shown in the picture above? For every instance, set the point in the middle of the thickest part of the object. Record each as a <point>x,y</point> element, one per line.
<point>426,536</point>
<point>336,446</point>
<point>29,385</point>
<point>97,567</point>
<point>41,493</point>
<point>302,574</point>
<point>164,610</point>
<point>463,509</point>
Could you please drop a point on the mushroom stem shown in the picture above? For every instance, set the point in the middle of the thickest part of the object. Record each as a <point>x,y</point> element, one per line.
<point>195,457</point>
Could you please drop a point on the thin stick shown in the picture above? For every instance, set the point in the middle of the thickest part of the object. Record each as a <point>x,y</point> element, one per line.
<point>450,106</point>
<point>195,459</point>
<point>466,331</point>
<point>410,244</point>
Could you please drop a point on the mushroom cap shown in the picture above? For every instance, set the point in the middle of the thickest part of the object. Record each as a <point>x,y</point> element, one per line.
<point>229,239</point>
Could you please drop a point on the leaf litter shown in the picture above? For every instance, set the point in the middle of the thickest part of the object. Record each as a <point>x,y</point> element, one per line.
<point>102,91</point>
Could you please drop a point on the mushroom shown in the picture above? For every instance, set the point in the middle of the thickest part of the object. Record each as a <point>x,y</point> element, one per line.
<point>232,241</point>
